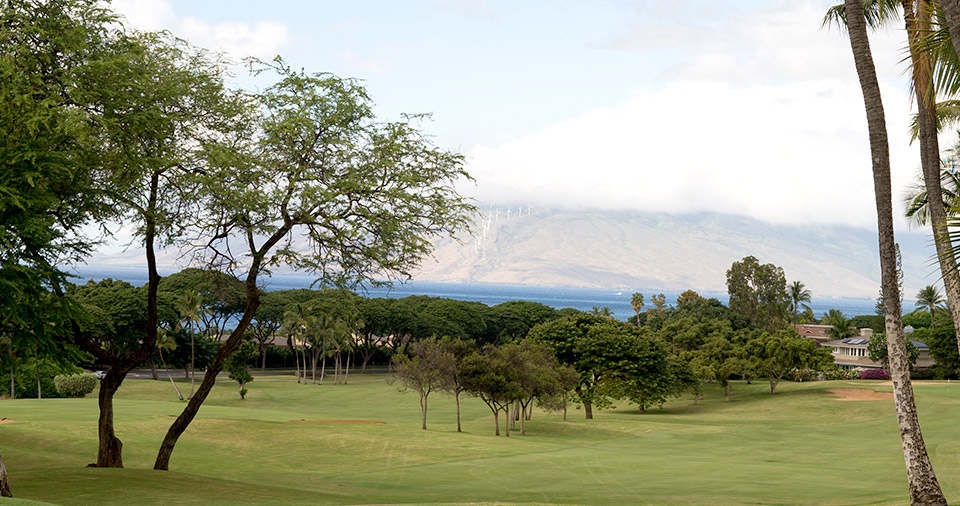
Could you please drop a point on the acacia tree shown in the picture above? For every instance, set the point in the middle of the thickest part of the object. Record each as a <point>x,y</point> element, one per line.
<point>49,170</point>
<point>923,484</point>
<point>364,197</point>
<point>426,367</point>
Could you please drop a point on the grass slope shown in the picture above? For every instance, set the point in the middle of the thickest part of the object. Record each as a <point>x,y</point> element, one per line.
<point>307,444</point>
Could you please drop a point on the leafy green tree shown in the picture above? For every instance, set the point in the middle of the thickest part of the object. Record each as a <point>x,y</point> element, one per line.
<point>365,198</point>
<point>489,374</point>
<point>220,297</point>
<point>786,352</point>
<point>267,320</point>
<point>459,349</point>
<point>237,365</point>
<point>941,344</point>
<point>877,351</point>
<point>511,321</point>
<point>426,367</point>
<point>611,358</point>
<point>718,360</point>
<point>540,375</point>
<point>758,292</point>
<point>48,154</point>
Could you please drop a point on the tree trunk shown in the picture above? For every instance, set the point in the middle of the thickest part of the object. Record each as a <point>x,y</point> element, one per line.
<point>587,405</point>
<point>193,370</point>
<point>263,356</point>
<point>233,342</point>
<point>153,370</point>
<point>456,397</point>
<point>423,411</point>
<point>918,23</point>
<point>323,366</point>
<point>4,481</point>
<point>110,451</point>
<point>923,485</point>
<point>346,370</point>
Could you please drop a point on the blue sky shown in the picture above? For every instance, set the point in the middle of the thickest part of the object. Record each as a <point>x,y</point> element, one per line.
<point>746,107</point>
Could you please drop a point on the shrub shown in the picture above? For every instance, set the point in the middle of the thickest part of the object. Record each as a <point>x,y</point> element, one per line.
<point>874,374</point>
<point>840,374</point>
<point>75,385</point>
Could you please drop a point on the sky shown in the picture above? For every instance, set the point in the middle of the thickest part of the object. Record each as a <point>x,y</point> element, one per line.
<point>736,106</point>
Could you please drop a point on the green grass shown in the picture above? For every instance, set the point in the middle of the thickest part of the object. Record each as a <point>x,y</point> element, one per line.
<point>800,446</point>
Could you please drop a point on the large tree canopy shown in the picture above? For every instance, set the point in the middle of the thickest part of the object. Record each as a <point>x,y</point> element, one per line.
<point>758,292</point>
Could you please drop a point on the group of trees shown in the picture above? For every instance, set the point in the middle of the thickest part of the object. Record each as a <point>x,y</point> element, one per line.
<point>106,125</point>
<point>932,29</point>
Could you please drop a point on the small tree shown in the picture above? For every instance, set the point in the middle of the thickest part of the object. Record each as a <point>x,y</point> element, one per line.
<point>237,365</point>
<point>427,367</point>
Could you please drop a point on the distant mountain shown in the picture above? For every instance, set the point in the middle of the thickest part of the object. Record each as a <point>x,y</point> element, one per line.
<point>638,250</point>
<point>632,250</point>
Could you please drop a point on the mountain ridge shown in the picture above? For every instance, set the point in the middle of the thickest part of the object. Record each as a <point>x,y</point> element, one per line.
<point>642,250</point>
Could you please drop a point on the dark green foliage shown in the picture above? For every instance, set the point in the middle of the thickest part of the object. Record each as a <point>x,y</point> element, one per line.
<point>511,321</point>
<point>613,359</point>
<point>75,385</point>
<point>942,342</point>
<point>758,292</point>
<point>873,322</point>
<point>917,319</point>
<point>785,353</point>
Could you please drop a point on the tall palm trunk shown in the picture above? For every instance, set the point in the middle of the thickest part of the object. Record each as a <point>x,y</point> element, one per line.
<point>918,22</point>
<point>923,485</point>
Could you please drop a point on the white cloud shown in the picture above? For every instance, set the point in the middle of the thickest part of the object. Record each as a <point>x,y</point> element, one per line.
<point>789,153</point>
<point>759,114</point>
<point>263,39</point>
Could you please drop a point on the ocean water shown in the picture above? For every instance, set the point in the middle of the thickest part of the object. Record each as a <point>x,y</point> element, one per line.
<point>584,299</point>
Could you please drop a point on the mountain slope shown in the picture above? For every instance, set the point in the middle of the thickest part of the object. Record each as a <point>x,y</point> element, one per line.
<point>609,249</point>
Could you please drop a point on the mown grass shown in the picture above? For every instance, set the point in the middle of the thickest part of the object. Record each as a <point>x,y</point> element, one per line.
<point>282,445</point>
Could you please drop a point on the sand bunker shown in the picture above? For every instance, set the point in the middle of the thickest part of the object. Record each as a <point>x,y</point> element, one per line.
<point>859,394</point>
<point>369,422</point>
<point>7,420</point>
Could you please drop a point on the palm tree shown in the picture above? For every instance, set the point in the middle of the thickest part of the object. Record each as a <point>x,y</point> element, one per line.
<point>636,302</point>
<point>839,325</point>
<point>190,307</point>
<point>931,299</point>
<point>799,298</point>
<point>165,341</point>
<point>923,484</point>
<point>918,17</point>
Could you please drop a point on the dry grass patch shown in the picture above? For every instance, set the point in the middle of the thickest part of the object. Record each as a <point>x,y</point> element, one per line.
<point>859,394</point>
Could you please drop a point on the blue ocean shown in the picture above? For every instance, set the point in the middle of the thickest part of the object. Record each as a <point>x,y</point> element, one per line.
<point>584,299</point>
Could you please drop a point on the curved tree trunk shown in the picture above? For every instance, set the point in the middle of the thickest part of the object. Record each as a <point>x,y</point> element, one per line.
<point>923,484</point>
<point>4,481</point>
<point>110,449</point>
<point>918,23</point>
<point>233,342</point>
<point>423,410</point>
